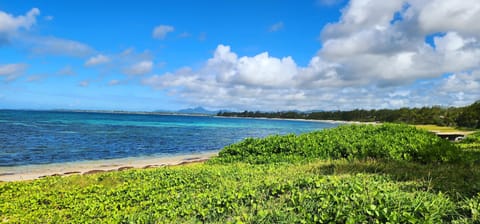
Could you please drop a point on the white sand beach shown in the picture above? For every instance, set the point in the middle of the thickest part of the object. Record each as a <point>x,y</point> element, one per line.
<point>32,172</point>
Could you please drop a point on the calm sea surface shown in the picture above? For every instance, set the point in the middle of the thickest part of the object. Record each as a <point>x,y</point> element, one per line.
<point>41,137</point>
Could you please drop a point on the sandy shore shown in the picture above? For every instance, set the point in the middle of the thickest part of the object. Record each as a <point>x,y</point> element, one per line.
<point>31,172</point>
<point>307,120</point>
<point>325,121</point>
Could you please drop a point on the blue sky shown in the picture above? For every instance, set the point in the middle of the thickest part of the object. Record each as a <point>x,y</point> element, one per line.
<point>255,55</point>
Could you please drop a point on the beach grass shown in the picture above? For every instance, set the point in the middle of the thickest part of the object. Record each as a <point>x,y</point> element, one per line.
<point>232,189</point>
<point>442,129</point>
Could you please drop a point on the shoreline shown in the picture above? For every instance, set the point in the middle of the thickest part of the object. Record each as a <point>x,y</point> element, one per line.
<point>301,119</point>
<point>32,172</point>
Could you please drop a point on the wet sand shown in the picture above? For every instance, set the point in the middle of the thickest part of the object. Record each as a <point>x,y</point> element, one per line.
<point>32,172</point>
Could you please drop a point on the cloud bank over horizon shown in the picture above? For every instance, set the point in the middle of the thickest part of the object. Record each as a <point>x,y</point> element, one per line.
<point>427,50</point>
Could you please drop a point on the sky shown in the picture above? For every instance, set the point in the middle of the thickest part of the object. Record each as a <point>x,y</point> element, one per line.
<point>264,55</point>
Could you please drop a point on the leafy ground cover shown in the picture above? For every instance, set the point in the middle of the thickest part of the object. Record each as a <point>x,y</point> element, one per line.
<point>356,186</point>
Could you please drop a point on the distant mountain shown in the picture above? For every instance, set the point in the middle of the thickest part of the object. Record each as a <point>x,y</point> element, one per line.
<point>197,110</point>
<point>314,111</point>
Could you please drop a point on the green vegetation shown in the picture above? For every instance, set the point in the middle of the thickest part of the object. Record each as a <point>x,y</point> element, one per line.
<point>388,142</point>
<point>437,128</point>
<point>465,117</point>
<point>384,173</point>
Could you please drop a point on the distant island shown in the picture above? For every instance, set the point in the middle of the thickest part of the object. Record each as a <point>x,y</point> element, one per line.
<point>197,110</point>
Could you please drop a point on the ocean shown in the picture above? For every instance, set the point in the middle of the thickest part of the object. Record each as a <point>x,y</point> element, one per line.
<point>47,137</point>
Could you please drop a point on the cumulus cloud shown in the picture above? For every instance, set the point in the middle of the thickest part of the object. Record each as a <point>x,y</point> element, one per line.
<point>443,15</point>
<point>227,80</point>
<point>462,82</point>
<point>10,24</point>
<point>368,43</point>
<point>276,27</point>
<point>161,31</point>
<point>11,72</point>
<point>378,54</point>
<point>140,68</point>
<point>97,59</point>
<point>260,70</point>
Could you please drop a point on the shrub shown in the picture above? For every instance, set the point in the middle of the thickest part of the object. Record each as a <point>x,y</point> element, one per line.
<point>387,141</point>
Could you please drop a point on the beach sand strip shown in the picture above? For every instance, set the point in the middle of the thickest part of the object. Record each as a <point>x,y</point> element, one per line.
<point>32,172</point>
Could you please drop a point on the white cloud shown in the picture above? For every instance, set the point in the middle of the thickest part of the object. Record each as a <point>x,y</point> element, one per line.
<point>227,80</point>
<point>401,93</point>
<point>263,70</point>
<point>9,33</point>
<point>368,45</point>
<point>262,82</point>
<point>96,60</point>
<point>276,27</point>
<point>452,41</point>
<point>260,70</point>
<point>128,61</point>
<point>56,46</point>
<point>10,24</point>
<point>458,89</point>
<point>362,15</point>
<point>8,69</point>
<point>161,31</point>
<point>376,55</point>
<point>12,71</point>
<point>444,15</point>
<point>140,68</point>
<point>462,82</point>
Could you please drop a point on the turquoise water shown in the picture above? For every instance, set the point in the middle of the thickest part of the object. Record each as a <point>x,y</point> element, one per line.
<point>44,137</point>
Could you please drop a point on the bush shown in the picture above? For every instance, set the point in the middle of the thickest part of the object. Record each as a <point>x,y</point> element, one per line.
<point>387,141</point>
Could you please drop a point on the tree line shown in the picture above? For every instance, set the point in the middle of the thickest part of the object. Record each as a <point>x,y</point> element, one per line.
<point>467,117</point>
